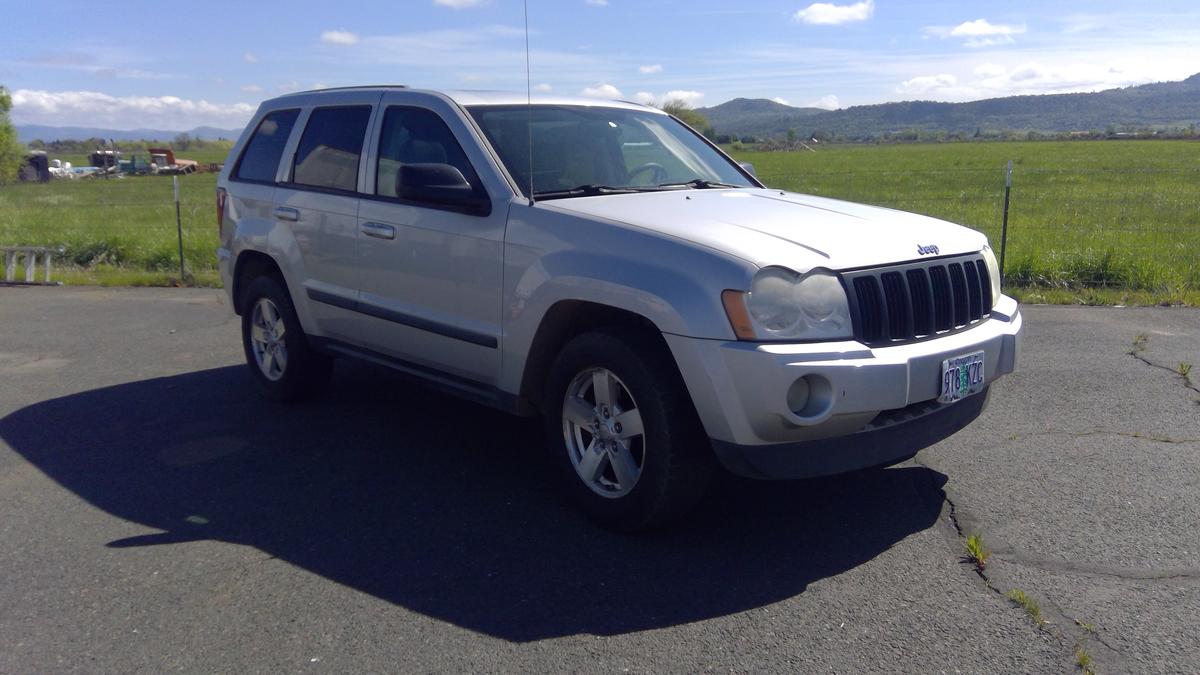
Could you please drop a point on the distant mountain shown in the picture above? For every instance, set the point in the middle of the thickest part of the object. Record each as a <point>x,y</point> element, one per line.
<point>30,132</point>
<point>750,116</point>
<point>1164,104</point>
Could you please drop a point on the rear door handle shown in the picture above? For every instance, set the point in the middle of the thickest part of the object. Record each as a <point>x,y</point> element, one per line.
<point>286,213</point>
<point>379,230</point>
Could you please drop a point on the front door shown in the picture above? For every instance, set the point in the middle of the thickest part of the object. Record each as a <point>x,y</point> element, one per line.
<point>431,271</point>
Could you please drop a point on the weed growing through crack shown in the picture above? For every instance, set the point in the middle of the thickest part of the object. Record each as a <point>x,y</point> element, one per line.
<point>977,554</point>
<point>1089,627</point>
<point>1139,343</point>
<point>1184,370</point>
<point>1028,604</point>
<point>1084,660</point>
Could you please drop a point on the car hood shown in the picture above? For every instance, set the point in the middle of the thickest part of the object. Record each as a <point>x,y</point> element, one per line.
<point>773,227</point>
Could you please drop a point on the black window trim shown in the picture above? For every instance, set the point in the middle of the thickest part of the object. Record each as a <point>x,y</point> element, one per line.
<point>476,182</point>
<point>291,184</point>
<point>237,167</point>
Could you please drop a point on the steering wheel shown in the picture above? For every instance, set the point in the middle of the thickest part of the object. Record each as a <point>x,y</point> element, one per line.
<point>660,173</point>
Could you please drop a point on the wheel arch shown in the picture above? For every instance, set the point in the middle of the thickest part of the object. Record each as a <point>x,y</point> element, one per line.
<point>250,265</point>
<point>567,319</point>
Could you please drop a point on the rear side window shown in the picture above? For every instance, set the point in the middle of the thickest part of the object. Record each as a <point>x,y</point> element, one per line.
<point>261,158</point>
<point>416,136</point>
<point>329,149</point>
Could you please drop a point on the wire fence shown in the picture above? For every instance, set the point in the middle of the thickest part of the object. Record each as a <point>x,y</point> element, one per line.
<point>1128,228</point>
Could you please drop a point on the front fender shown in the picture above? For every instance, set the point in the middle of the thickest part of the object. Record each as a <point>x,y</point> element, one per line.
<point>551,257</point>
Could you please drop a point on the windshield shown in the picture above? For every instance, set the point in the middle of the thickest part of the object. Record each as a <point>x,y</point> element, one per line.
<point>580,150</point>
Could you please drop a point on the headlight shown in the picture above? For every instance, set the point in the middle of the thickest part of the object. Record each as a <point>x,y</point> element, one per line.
<point>989,259</point>
<point>783,305</point>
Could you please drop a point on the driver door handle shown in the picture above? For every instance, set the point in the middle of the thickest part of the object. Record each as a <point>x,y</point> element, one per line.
<point>378,230</point>
<point>286,213</point>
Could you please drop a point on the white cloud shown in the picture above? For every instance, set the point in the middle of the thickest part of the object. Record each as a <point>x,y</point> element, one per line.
<point>825,13</point>
<point>597,3</point>
<point>691,98</point>
<point>95,109</point>
<point>828,102</point>
<point>603,90</point>
<point>928,83</point>
<point>982,27</point>
<point>650,69</point>
<point>543,88</point>
<point>459,4</point>
<point>288,87</point>
<point>977,33</point>
<point>687,97</point>
<point>991,80</point>
<point>250,57</point>
<point>250,88</point>
<point>780,100</point>
<point>339,37</point>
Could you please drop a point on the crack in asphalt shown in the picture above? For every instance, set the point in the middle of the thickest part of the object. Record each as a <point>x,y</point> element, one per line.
<point>1071,633</point>
<point>1125,434</point>
<point>1136,353</point>
<point>1125,573</point>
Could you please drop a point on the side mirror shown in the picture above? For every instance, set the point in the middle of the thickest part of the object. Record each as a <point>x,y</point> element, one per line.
<point>439,184</point>
<point>749,168</point>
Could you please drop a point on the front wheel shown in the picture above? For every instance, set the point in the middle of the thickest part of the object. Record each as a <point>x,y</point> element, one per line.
<point>623,433</point>
<point>277,351</point>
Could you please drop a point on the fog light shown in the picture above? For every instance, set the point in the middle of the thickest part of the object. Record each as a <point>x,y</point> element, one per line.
<point>811,399</point>
<point>797,396</point>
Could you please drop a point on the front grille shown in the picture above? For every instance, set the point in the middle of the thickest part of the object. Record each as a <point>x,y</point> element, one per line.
<point>916,300</point>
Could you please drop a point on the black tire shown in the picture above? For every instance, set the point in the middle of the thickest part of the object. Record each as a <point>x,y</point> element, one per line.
<point>677,458</point>
<point>306,371</point>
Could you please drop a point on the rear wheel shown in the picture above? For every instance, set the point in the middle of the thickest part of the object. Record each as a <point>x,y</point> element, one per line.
<point>622,431</point>
<point>277,351</point>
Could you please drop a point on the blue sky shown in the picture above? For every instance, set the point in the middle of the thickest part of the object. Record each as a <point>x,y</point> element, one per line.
<point>178,65</point>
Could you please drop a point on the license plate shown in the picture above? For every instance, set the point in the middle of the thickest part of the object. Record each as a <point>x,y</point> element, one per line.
<point>961,377</point>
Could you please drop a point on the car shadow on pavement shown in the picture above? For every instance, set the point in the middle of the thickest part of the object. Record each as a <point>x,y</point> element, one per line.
<point>445,507</point>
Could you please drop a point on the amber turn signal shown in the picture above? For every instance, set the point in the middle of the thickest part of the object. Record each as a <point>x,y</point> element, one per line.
<point>739,317</point>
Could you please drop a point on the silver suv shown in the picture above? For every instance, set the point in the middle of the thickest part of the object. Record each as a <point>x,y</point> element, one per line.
<point>603,265</point>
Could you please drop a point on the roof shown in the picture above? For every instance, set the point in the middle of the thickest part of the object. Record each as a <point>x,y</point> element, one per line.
<point>480,97</point>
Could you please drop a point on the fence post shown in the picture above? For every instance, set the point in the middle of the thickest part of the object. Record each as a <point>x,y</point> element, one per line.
<point>178,226</point>
<point>1004,225</point>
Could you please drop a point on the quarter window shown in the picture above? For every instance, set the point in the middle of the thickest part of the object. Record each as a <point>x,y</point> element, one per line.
<point>260,160</point>
<point>416,136</point>
<point>327,156</point>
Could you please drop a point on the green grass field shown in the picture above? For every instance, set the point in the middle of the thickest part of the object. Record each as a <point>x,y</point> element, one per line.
<point>118,230</point>
<point>1083,215</point>
<point>1097,221</point>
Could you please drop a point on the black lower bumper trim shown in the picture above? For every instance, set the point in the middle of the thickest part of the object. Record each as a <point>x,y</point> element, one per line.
<point>877,447</point>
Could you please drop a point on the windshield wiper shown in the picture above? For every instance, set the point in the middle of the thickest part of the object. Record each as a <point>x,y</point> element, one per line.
<point>701,184</point>
<point>589,190</point>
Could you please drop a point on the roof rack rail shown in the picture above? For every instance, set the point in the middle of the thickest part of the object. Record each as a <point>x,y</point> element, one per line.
<point>359,86</point>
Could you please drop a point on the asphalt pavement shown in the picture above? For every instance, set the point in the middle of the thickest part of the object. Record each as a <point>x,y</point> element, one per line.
<point>157,514</point>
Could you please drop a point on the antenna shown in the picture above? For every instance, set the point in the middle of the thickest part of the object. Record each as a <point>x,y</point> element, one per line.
<point>528,103</point>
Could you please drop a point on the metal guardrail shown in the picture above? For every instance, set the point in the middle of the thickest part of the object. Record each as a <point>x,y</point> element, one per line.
<point>29,255</point>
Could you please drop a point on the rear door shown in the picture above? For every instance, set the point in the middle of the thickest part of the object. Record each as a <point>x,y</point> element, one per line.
<point>318,201</point>
<point>250,190</point>
<point>432,272</point>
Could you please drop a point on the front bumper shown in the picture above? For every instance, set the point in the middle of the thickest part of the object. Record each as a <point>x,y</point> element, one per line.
<point>741,389</point>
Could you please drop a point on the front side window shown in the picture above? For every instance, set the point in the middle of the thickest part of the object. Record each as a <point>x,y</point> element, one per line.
<point>583,146</point>
<point>416,136</point>
<point>327,156</point>
<point>260,160</point>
